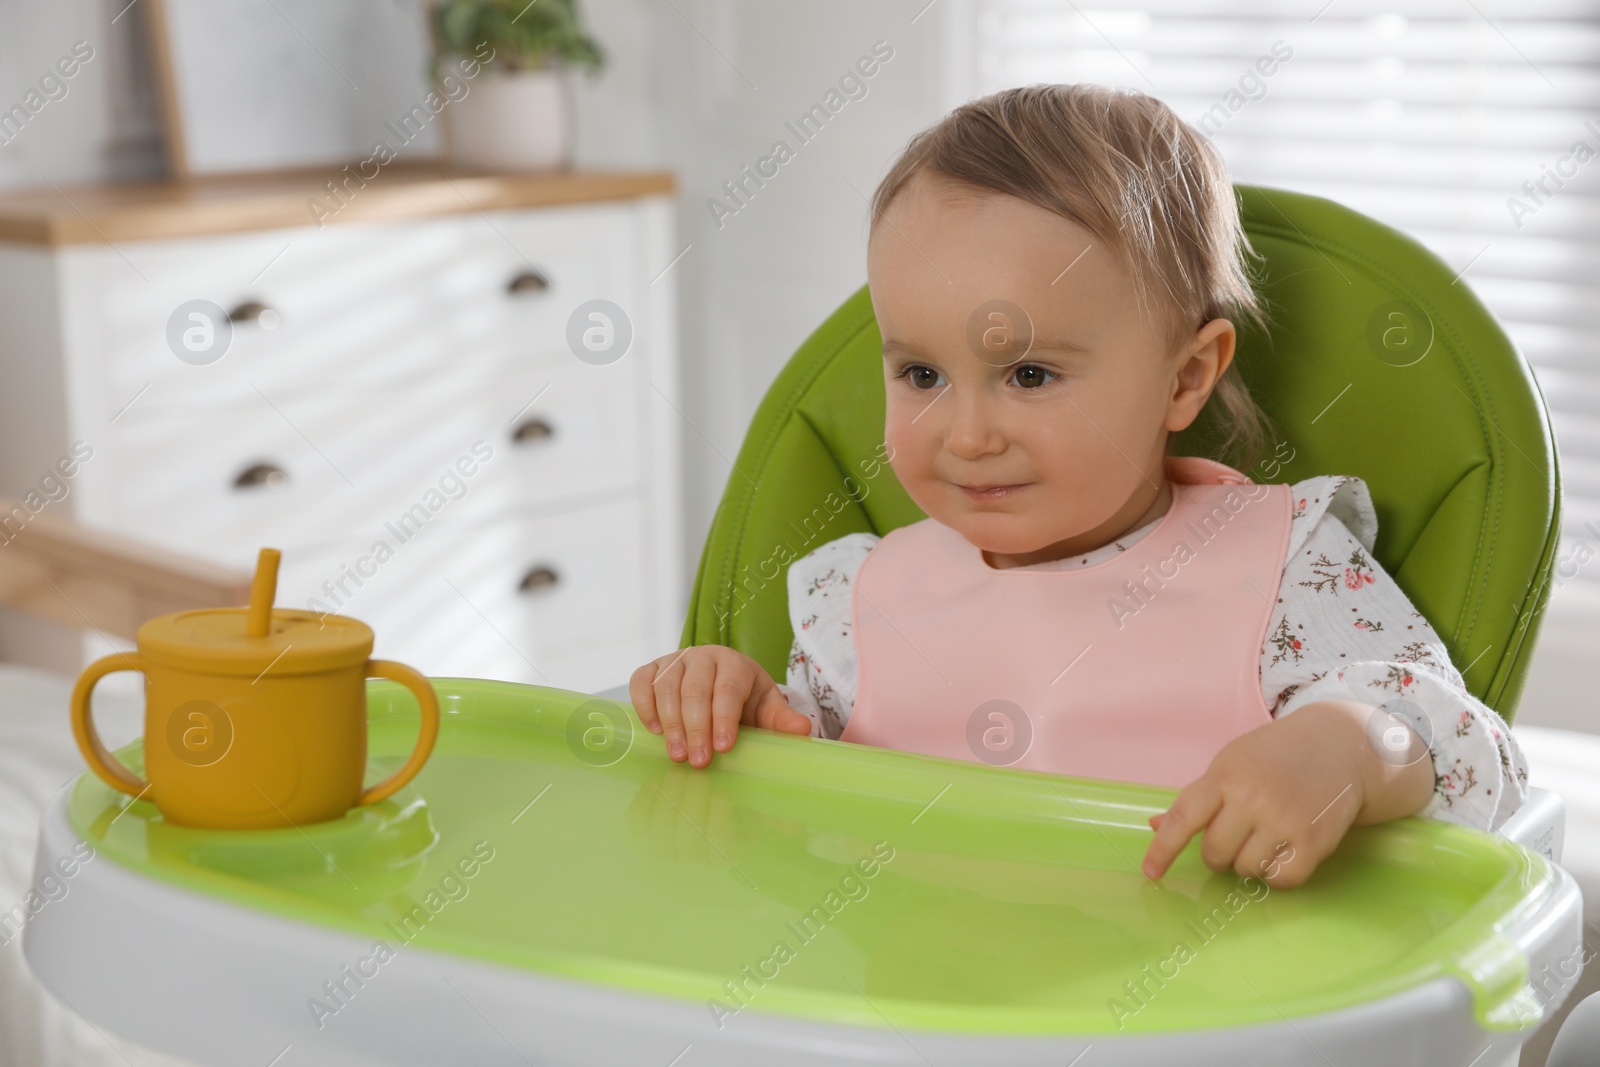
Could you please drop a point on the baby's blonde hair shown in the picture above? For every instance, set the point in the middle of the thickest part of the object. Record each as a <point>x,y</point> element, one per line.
<point>1124,167</point>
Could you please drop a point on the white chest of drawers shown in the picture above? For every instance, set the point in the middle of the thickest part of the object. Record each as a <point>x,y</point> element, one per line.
<point>399,408</point>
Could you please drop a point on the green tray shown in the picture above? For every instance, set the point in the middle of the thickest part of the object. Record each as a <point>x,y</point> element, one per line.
<point>841,883</point>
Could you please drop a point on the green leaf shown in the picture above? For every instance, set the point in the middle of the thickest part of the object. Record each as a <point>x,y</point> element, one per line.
<point>524,35</point>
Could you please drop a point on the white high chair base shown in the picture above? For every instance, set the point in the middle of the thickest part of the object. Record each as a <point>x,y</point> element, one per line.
<point>225,985</point>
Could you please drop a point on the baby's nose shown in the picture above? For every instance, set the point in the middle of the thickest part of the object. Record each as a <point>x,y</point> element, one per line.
<point>974,431</point>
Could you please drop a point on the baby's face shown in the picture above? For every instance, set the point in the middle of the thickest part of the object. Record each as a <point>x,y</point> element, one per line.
<point>1018,448</point>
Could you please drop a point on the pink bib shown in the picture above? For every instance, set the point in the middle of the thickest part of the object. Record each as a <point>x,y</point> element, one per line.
<point>1137,668</point>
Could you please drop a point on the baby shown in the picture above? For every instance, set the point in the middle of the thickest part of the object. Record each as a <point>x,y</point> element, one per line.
<point>1056,273</point>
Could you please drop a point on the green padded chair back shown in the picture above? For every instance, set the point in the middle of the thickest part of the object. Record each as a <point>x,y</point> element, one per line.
<point>1379,363</point>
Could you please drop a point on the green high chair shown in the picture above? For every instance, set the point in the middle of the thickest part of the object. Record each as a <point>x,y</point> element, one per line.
<point>805,902</point>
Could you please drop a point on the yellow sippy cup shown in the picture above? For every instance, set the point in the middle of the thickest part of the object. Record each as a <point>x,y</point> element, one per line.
<point>255,717</point>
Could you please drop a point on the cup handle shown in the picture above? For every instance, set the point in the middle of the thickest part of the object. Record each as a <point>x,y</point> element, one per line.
<point>103,763</point>
<point>429,702</point>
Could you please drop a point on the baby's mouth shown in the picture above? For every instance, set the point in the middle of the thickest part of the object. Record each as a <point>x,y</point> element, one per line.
<point>990,492</point>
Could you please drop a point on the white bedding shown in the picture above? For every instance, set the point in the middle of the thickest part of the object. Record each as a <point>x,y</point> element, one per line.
<point>38,756</point>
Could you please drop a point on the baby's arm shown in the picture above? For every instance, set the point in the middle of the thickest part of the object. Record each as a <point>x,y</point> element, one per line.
<point>1346,648</point>
<point>1359,638</point>
<point>1276,801</point>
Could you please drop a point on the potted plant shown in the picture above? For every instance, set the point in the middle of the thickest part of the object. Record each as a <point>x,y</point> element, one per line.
<point>511,111</point>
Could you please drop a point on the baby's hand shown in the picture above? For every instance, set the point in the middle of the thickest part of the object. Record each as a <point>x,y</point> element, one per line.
<point>1277,801</point>
<point>705,692</point>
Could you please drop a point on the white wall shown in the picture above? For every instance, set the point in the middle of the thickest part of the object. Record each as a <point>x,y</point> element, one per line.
<point>1562,679</point>
<point>704,87</point>
<point>105,127</point>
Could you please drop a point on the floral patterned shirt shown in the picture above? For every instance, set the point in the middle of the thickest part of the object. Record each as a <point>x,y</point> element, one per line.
<point>1341,629</point>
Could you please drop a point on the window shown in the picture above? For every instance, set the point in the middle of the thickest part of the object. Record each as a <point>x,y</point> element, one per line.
<point>1472,125</point>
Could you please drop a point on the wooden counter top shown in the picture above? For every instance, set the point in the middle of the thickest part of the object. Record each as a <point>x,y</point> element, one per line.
<point>65,215</point>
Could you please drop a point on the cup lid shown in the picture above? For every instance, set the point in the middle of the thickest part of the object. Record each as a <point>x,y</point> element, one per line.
<point>215,641</point>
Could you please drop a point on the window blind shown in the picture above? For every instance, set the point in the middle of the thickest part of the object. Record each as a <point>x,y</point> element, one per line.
<point>1472,125</point>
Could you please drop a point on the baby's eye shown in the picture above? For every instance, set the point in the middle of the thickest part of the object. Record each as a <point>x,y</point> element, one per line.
<point>921,376</point>
<point>1032,376</point>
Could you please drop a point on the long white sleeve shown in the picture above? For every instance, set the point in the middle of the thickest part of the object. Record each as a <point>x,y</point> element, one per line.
<point>1344,630</point>
<point>822,660</point>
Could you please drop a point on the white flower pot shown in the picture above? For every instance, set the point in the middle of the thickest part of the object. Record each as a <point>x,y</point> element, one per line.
<point>513,120</point>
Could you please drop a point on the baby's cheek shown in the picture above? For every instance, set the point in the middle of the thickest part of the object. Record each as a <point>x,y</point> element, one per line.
<point>910,448</point>
<point>925,490</point>
<point>917,481</point>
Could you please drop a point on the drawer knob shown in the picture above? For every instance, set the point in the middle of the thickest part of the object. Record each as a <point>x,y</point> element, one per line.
<point>538,579</point>
<point>262,475</point>
<point>254,311</point>
<point>529,281</point>
<point>532,430</point>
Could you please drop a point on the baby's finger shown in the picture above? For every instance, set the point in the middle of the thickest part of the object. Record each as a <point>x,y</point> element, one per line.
<point>1155,820</point>
<point>698,682</point>
<point>728,694</point>
<point>641,691</point>
<point>1272,856</point>
<point>667,691</point>
<point>1189,814</point>
<point>791,721</point>
<point>774,713</point>
<point>1226,835</point>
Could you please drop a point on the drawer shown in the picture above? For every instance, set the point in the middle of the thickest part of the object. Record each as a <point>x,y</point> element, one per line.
<point>296,471</point>
<point>550,599</point>
<point>353,303</point>
<point>579,433</point>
